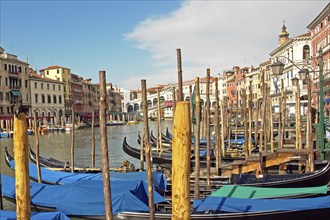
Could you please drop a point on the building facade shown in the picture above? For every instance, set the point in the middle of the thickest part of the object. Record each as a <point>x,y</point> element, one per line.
<point>14,84</point>
<point>47,97</point>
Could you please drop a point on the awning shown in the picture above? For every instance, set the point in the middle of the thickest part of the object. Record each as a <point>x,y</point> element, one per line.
<point>16,93</point>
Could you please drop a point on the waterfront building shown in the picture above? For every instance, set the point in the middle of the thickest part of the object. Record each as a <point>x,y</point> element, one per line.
<point>77,93</point>
<point>62,74</point>
<point>14,83</point>
<point>293,53</point>
<point>47,97</point>
<point>320,38</point>
<point>90,97</point>
<point>115,101</point>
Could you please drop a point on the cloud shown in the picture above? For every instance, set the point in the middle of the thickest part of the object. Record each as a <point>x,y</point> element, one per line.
<point>219,34</point>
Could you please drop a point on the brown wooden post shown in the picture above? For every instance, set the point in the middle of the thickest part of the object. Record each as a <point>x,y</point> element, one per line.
<point>104,146</point>
<point>264,104</point>
<point>246,137</point>
<point>309,133</point>
<point>236,117</point>
<point>271,125</point>
<point>229,123</point>
<point>208,138</point>
<point>181,162</point>
<point>197,137</point>
<point>250,118</point>
<point>159,142</point>
<point>204,122</point>
<point>298,122</point>
<point>256,125</point>
<point>217,128</point>
<point>174,100</point>
<point>147,148</point>
<point>93,138</point>
<point>223,125</point>
<point>180,93</point>
<point>21,152</point>
<point>36,134</point>
<point>72,137</point>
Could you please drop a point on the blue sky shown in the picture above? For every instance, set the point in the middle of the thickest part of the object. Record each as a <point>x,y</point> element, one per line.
<point>134,40</point>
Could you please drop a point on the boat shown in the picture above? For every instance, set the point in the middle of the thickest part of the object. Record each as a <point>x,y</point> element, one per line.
<point>238,191</point>
<point>165,159</point>
<point>250,209</point>
<point>85,198</point>
<point>321,176</point>
<point>132,122</point>
<point>61,177</point>
<point>115,123</point>
<point>6,134</point>
<point>6,214</point>
<point>44,162</point>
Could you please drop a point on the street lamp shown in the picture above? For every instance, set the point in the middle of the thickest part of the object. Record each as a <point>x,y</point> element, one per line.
<point>277,69</point>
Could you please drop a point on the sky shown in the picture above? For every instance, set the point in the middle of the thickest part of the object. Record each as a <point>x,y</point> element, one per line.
<point>135,40</point>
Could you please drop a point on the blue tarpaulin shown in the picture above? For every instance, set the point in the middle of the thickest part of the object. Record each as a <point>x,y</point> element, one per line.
<point>225,204</point>
<point>86,198</point>
<point>60,177</point>
<point>326,100</point>
<point>11,215</point>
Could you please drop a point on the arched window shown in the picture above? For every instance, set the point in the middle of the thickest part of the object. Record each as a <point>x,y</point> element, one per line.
<point>306,52</point>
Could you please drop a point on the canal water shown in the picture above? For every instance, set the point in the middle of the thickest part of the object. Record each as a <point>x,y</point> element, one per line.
<point>58,146</point>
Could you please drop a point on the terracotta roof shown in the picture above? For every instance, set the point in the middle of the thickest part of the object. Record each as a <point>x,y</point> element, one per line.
<point>308,34</point>
<point>53,67</point>
<point>33,75</point>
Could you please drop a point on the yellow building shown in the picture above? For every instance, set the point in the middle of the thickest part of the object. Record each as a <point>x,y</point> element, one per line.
<point>61,74</point>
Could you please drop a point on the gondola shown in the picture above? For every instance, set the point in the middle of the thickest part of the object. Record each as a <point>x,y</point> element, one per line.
<point>60,177</point>
<point>6,214</point>
<point>319,177</point>
<point>85,198</point>
<point>251,209</point>
<point>46,162</point>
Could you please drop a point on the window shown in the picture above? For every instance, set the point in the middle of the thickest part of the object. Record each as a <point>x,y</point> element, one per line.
<point>36,98</point>
<point>6,81</point>
<point>1,96</point>
<point>42,86</point>
<point>306,52</point>
<point>26,83</point>
<point>43,98</point>
<point>27,97</point>
<point>60,99</point>
<point>35,85</point>
<point>49,99</point>
<point>47,72</point>
<point>6,66</point>
<point>54,98</point>
<point>47,86</point>
<point>58,71</point>
<point>59,87</point>
<point>19,69</point>
<point>53,87</point>
<point>7,96</point>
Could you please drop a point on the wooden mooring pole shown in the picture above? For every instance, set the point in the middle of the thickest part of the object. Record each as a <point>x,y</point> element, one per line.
<point>159,130</point>
<point>147,149</point>
<point>21,152</point>
<point>104,146</point>
<point>197,137</point>
<point>93,138</point>
<point>181,163</point>
<point>36,134</point>
<point>180,91</point>
<point>72,137</point>
<point>208,138</point>
<point>217,128</point>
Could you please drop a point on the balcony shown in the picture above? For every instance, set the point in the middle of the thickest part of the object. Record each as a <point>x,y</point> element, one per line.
<point>14,87</point>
